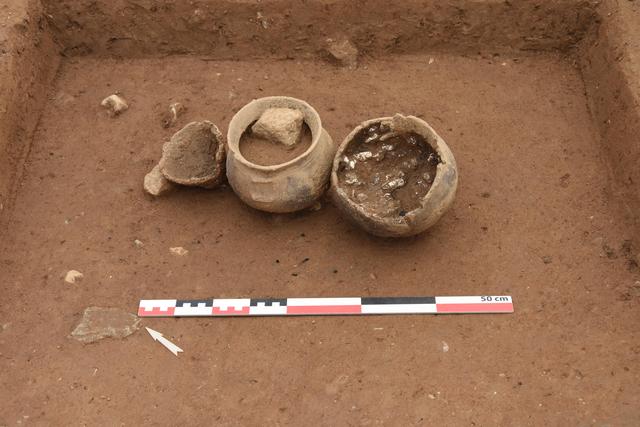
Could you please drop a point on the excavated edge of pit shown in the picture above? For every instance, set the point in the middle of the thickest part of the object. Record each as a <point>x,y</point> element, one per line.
<point>604,37</point>
<point>29,60</point>
<point>231,29</point>
<point>609,59</point>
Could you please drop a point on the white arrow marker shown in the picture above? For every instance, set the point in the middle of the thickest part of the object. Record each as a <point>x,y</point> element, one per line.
<point>157,336</point>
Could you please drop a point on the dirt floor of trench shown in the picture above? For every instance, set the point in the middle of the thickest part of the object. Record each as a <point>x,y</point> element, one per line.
<point>532,219</point>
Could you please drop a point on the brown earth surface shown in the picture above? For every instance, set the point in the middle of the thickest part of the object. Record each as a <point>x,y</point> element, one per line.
<point>534,218</point>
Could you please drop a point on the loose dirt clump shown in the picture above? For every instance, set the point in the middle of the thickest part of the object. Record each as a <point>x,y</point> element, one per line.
<point>265,152</point>
<point>386,172</point>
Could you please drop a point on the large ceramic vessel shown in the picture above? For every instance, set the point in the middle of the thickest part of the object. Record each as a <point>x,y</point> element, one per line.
<point>286,187</point>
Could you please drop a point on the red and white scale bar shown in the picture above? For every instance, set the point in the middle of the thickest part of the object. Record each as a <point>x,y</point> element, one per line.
<point>221,307</point>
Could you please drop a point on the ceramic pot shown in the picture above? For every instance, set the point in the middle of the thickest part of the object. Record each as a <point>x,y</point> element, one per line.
<point>431,206</point>
<point>285,187</point>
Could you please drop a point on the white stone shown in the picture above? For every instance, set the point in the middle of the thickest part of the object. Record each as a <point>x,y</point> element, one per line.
<point>171,117</point>
<point>282,125</point>
<point>73,276</point>
<point>262,20</point>
<point>156,184</point>
<point>179,251</point>
<point>363,156</point>
<point>393,184</point>
<point>115,104</point>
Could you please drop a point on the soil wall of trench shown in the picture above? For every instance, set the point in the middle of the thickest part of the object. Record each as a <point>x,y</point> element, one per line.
<point>29,59</point>
<point>610,61</point>
<point>279,28</point>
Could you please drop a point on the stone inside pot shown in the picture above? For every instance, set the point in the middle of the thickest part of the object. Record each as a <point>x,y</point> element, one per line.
<point>387,172</point>
<point>278,136</point>
<point>195,156</point>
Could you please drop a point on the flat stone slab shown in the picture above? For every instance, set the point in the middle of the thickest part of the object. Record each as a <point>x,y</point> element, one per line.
<point>104,322</point>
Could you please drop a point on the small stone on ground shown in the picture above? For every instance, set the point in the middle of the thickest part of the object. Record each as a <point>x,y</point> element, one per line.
<point>104,322</point>
<point>115,104</point>
<point>171,117</point>
<point>179,251</point>
<point>343,52</point>
<point>73,276</point>
<point>156,184</point>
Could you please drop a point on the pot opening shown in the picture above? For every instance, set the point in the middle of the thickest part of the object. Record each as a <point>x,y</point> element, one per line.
<point>266,152</point>
<point>387,172</point>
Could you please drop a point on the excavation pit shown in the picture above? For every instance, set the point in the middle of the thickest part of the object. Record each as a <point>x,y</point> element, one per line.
<point>534,100</point>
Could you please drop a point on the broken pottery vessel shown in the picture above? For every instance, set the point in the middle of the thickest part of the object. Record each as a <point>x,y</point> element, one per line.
<point>194,156</point>
<point>289,186</point>
<point>430,207</point>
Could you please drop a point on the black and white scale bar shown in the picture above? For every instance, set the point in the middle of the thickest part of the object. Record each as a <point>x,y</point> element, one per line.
<point>219,307</point>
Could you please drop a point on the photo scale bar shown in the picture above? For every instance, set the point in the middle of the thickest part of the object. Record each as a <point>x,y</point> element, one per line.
<point>225,307</point>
